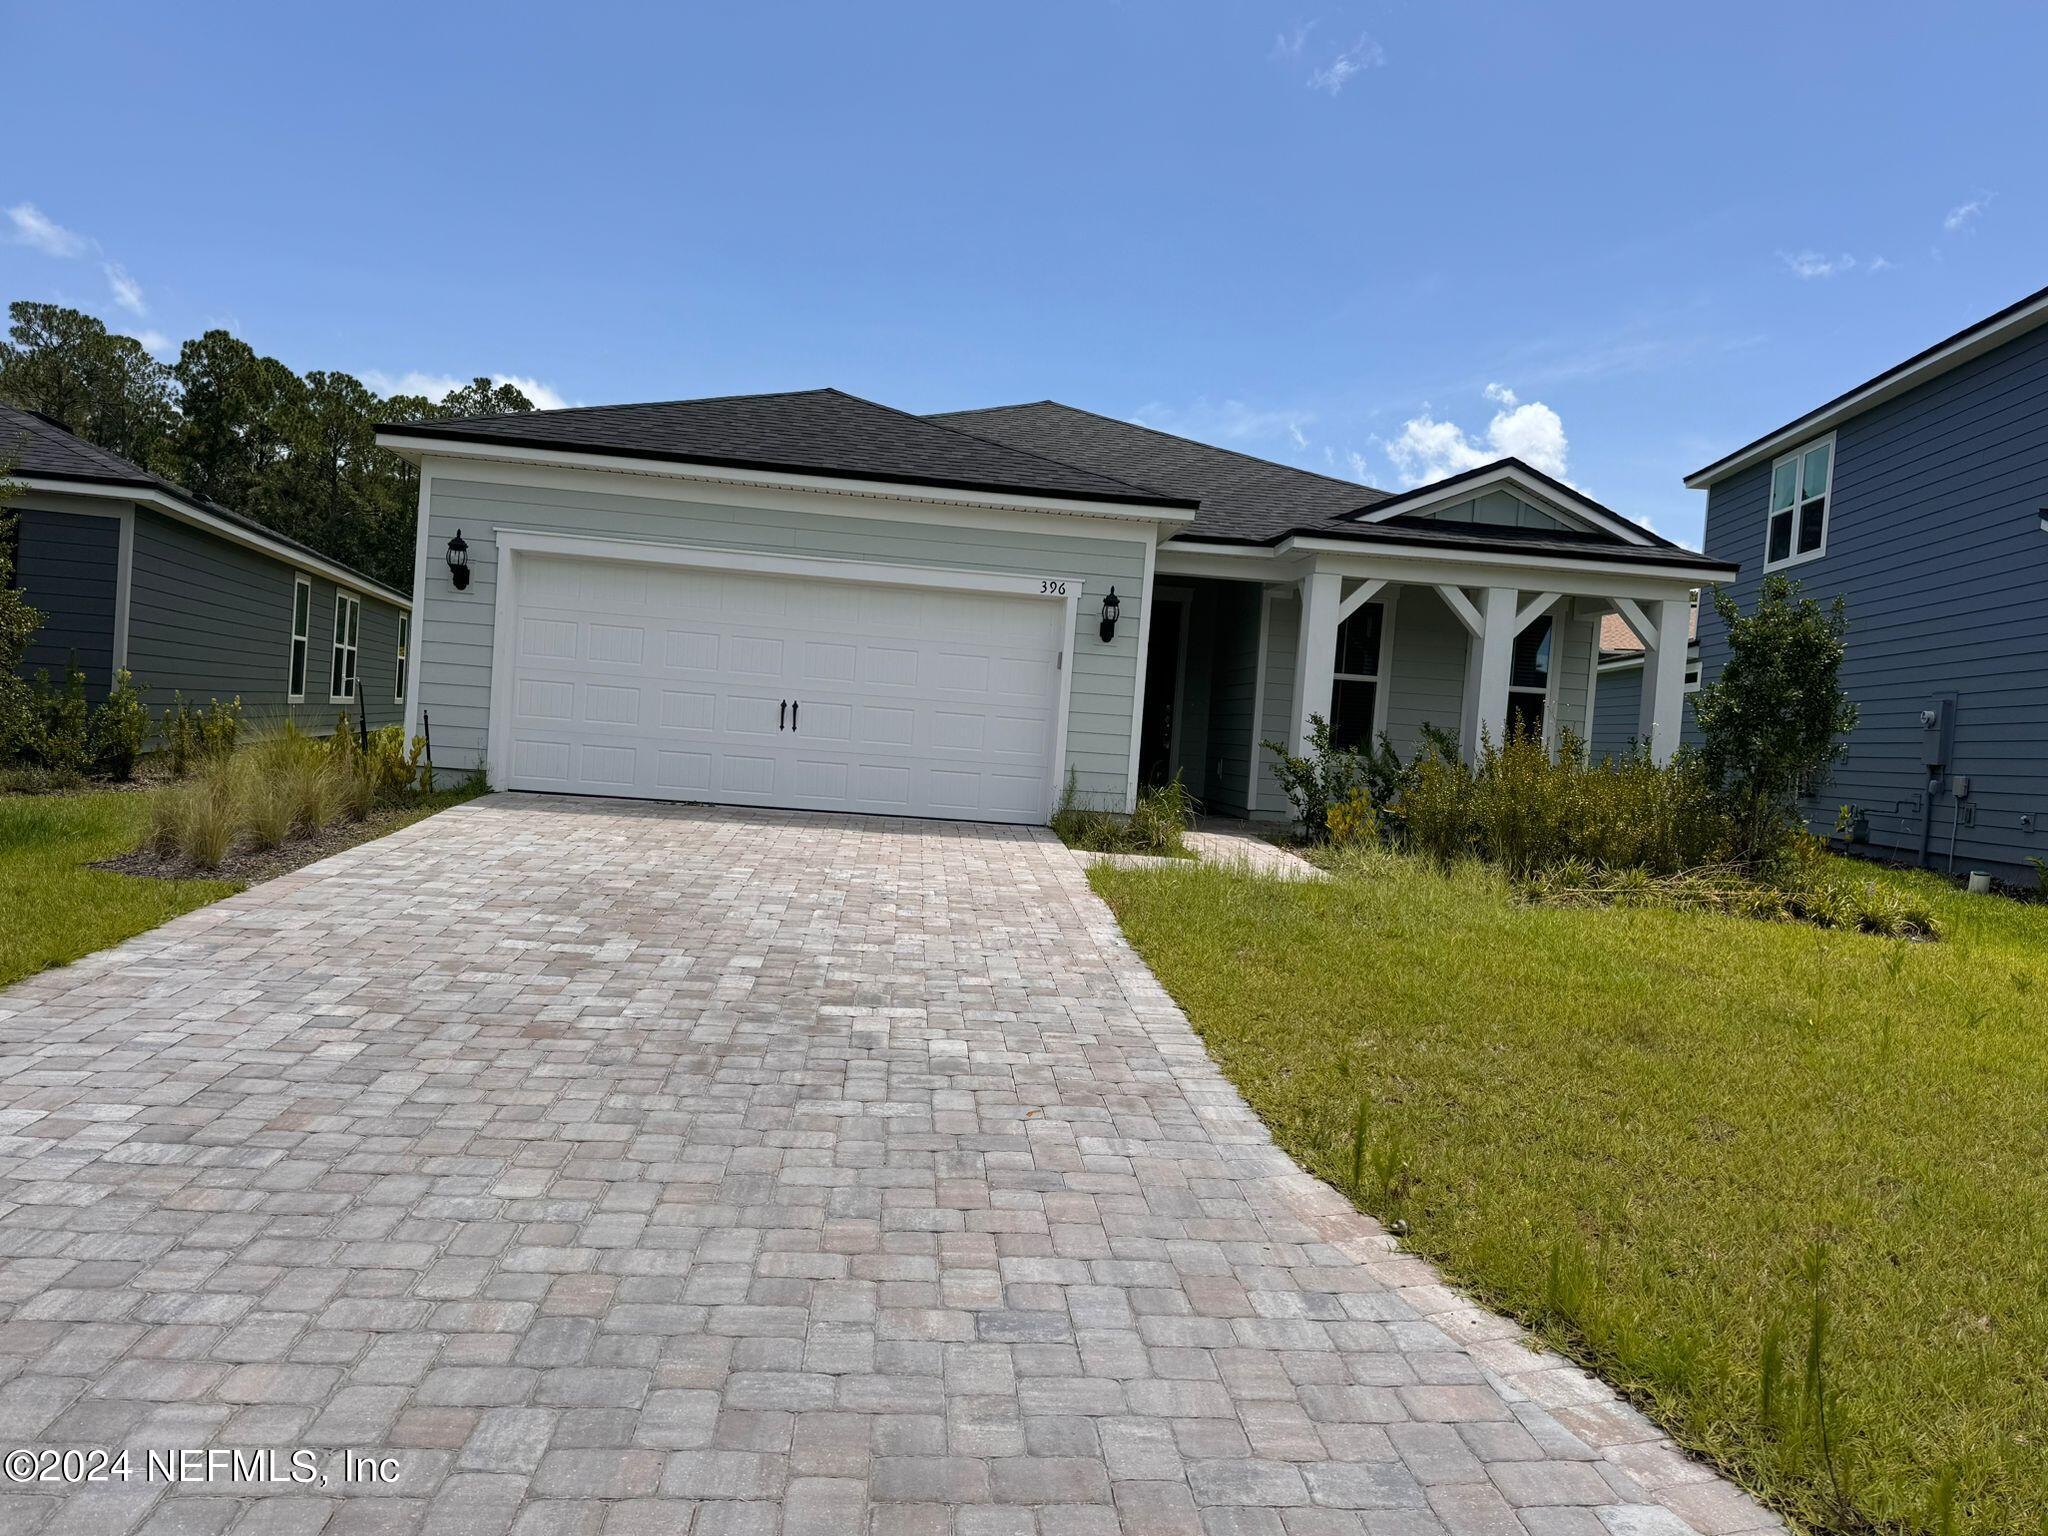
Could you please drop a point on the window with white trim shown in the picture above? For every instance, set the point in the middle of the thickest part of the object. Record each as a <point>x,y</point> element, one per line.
<point>302,627</point>
<point>1529,680</point>
<point>1355,680</point>
<point>348,616</point>
<point>404,645</point>
<point>1798,522</point>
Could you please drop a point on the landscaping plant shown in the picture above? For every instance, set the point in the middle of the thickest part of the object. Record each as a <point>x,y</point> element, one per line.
<point>1155,825</point>
<point>1772,721</point>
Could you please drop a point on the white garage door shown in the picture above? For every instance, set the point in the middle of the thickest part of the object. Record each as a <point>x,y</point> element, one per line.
<point>690,684</point>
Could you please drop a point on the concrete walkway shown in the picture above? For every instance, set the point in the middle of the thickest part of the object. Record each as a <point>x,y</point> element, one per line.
<point>609,1169</point>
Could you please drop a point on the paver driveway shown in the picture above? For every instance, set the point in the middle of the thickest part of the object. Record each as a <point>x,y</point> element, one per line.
<point>619,1168</point>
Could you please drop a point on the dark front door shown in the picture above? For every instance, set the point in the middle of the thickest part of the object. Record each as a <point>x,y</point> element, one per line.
<point>1162,689</point>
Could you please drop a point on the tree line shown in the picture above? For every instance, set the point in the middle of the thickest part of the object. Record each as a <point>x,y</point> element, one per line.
<point>296,452</point>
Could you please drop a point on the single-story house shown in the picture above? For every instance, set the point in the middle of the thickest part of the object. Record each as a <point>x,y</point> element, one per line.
<point>815,601</point>
<point>1617,702</point>
<point>1921,497</point>
<point>130,571</point>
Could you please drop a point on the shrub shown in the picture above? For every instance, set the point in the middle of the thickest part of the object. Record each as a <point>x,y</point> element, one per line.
<point>53,730</point>
<point>1154,826</point>
<point>1330,774</point>
<point>120,729</point>
<point>1354,820</point>
<point>18,625</point>
<point>1772,723</point>
<point>209,815</point>
<point>219,727</point>
<point>1436,805</point>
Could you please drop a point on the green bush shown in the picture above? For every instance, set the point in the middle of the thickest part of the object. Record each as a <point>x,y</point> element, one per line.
<point>52,731</point>
<point>120,729</point>
<point>1154,826</point>
<point>193,737</point>
<point>1332,775</point>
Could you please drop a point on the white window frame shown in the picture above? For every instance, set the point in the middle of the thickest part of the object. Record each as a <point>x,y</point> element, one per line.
<point>348,634</point>
<point>1377,677</point>
<point>1801,495</point>
<point>404,648</point>
<point>1547,690</point>
<point>299,653</point>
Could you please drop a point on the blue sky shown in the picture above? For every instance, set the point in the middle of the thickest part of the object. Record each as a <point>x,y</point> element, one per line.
<point>1378,239</point>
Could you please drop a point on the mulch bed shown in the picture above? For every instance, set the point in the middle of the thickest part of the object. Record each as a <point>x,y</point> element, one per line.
<point>251,867</point>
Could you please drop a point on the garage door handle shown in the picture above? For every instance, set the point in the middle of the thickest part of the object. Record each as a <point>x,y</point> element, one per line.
<point>792,713</point>
<point>782,716</point>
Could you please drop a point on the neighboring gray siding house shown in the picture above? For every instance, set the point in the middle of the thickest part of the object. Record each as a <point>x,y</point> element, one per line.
<point>1921,497</point>
<point>1618,701</point>
<point>131,571</point>
<point>814,601</point>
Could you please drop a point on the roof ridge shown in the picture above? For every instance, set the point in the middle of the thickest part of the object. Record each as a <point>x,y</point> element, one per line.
<point>1029,453</point>
<point>629,405</point>
<point>1139,426</point>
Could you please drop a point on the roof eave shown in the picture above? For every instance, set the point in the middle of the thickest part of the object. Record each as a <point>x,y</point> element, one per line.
<point>1971,342</point>
<point>412,444</point>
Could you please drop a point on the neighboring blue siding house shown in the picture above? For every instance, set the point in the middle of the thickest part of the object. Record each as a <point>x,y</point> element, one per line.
<point>1921,497</point>
<point>130,571</point>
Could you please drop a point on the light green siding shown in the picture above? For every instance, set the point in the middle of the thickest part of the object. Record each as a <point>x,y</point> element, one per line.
<point>1576,645</point>
<point>455,643</point>
<point>1426,668</point>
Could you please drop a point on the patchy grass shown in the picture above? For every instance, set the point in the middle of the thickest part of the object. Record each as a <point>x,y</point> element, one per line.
<point>1155,826</point>
<point>75,876</point>
<point>1630,1127</point>
<point>53,906</point>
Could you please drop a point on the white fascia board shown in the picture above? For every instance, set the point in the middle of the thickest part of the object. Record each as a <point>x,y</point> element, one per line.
<point>1970,344</point>
<point>233,532</point>
<point>1541,568</point>
<point>419,448</point>
<point>1528,488</point>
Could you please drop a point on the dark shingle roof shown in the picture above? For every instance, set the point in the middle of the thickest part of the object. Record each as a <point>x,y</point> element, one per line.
<point>819,431</point>
<point>1242,498</point>
<point>32,444</point>
<point>36,445</point>
<point>1247,500</point>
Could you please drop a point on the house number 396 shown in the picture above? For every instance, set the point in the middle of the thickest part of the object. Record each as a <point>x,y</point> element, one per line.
<point>1052,586</point>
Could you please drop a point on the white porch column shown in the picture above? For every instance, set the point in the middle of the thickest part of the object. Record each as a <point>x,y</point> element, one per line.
<point>1490,658</point>
<point>1315,662</point>
<point>1663,704</point>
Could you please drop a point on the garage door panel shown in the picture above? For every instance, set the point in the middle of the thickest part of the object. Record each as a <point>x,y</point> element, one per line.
<point>885,725</point>
<point>609,704</point>
<point>683,773</point>
<point>617,644</point>
<point>888,666</point>
<point>605,765</point>
<point>688,711</point>
<point>690,650</point>
<point>547,639</point>
<point>754,655</point>
<point>754,714</point>
<point>641,680</point>
<point>535,698</point>
<point>882,786</point>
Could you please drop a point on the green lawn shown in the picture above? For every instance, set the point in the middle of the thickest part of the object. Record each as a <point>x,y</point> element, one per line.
<point>1629,1128</point>
<point>55,908</point>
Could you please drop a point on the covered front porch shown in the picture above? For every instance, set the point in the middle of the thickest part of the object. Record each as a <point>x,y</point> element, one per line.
<point>1245,646</point>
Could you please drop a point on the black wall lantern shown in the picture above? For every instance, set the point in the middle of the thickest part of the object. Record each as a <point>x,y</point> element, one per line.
<point>1112,610</point>
<point>458,561</point>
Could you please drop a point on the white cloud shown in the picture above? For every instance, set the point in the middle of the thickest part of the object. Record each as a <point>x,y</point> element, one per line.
<point>437,386</point>
<point>38,231</point>
<point>1428,449</point>
<point>1288,45</point>
<point>1353,61</point>
<point>1880,264</point>
<point>155,343</point>
<point>1963,215</point>
<point>1230,422</point>
<point>127,292</point>
<point>1807,265</point>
